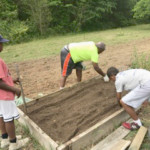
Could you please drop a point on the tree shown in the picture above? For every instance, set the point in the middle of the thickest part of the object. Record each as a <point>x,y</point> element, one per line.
<point>142,10</point>
<point>8,10</point>
<point>10,26</point>
<point>37,11</point>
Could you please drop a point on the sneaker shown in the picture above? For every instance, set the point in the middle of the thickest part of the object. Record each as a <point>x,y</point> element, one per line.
<point>19,144</point>
<point>5,142</point>
<point>131,126</point>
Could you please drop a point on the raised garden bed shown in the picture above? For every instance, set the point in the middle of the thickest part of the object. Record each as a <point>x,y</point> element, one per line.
<point>75,117</point>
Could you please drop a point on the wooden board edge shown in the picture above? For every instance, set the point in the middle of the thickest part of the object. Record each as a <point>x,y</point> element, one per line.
<point>121,145</point>
<point>37,132</point>
<point>96,132</point>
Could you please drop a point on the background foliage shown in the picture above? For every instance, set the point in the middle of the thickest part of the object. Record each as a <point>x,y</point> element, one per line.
<point>26,19</point>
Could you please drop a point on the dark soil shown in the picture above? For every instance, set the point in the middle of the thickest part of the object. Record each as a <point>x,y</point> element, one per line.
<point>69,112</point>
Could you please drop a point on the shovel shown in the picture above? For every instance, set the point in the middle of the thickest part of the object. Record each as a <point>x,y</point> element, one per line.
<point>22,92</point>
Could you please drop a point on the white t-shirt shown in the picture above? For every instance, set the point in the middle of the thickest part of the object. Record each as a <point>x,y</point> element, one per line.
<point>129,79</point>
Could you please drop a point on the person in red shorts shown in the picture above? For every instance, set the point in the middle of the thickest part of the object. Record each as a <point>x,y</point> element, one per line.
<point>72,56</point>
<point>8,108</point>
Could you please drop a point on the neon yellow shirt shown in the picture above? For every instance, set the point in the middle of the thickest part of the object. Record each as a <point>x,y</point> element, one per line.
<point>83,51</point>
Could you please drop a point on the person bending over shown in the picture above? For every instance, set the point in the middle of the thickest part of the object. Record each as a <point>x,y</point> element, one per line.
<point>137,81</point>
<point>72,56</point>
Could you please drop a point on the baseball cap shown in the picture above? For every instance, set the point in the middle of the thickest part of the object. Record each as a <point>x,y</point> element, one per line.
<point>2,40</point>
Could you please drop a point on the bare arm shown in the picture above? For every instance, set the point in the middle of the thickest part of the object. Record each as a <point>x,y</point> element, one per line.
<point>12,89</point>
<point>98,69</point>
<point>119,98</point>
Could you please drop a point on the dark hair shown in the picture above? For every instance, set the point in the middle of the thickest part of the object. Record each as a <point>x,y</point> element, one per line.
<point>112,71</point>
<point>101,46</point>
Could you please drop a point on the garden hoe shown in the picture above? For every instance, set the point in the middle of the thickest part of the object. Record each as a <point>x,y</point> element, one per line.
<point>22,92</point>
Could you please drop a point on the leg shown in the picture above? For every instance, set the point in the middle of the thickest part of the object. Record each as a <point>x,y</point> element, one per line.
<point>66,66</point>
<point>63,81</point>
<point>134,99</point>
<point>129,110</point>
<point>133,115</point>
<point>2,126</point>
<point>10,128</point>
<point>79,74</point>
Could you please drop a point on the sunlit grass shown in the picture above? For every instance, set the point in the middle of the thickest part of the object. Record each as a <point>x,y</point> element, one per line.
<point>141,60</point>
<point>40,48</point>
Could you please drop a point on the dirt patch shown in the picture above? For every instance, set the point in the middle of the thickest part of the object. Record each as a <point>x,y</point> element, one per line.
<point>67,113</point>
<point>43,75</point>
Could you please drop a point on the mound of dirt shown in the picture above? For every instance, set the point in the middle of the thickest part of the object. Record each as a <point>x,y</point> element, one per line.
<point>69,112</point>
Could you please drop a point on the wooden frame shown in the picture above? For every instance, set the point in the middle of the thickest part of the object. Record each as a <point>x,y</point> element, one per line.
<point>83,140</point>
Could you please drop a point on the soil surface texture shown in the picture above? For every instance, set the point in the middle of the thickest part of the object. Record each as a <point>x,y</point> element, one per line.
<point>42,76</point>
<point>69,112</point>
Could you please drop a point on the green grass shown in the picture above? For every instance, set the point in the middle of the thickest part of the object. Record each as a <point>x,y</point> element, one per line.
<point>141,60</point>
<point>51,46</point>
<point>24,131</point>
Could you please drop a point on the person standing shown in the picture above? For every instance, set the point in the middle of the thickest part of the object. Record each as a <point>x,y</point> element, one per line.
<point>8,108</point>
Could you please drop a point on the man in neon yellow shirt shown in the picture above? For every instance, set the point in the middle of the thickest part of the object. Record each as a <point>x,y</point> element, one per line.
<point>72,56</point>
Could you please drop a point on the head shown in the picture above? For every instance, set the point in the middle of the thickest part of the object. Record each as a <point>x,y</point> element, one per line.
<point>100,46</point>
<point>2,40</point>
<point>112,72</point>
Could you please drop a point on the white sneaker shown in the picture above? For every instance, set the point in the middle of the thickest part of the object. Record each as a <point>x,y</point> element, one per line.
<point>19,144</point>
<point>5,142</point>
<point>18,137</point>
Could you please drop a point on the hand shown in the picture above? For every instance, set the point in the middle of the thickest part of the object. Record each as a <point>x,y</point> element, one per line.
<point>106,79</point>
<point>17,92</point>
<point>16,81</point>
<point>119,104</point>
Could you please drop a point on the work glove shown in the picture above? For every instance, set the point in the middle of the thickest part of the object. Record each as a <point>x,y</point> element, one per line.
<point>106,79</point>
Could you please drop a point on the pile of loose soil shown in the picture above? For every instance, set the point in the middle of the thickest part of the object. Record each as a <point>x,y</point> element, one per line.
<point>69,112</point>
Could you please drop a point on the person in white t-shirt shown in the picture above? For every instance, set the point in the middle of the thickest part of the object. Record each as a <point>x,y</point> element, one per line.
<point>137,81</point>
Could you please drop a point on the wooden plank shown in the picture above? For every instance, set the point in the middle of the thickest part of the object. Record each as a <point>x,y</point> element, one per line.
<point>149,133</point>
<point>137,141</point>
<point>37,132</point>
<point>83,140</point>
<point>112,139</point>
<point>96,132</point>
<point>121,145</point>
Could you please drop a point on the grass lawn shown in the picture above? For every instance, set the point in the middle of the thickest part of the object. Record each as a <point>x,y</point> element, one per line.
<point>51,46</point>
